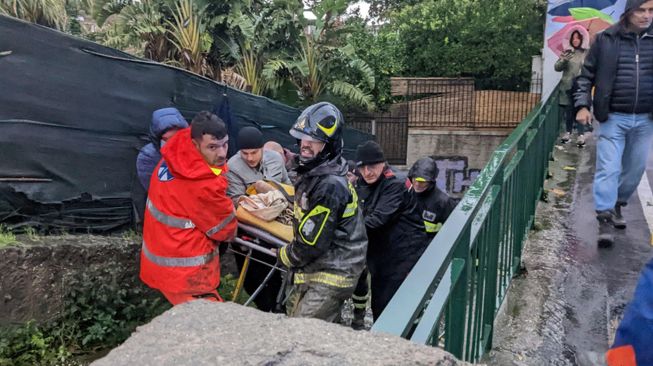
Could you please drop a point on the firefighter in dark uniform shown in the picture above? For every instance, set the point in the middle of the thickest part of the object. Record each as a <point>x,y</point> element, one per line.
<point>327,254</point>
<point>362,291</point>
<point>434,205</point>
<point>394,226</point>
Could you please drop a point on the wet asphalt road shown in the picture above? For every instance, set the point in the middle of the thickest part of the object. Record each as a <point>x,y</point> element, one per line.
<point>565,308</point>
<point>600,281</point>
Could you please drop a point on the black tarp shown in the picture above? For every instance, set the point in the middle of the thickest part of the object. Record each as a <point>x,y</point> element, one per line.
<point>73,115</point>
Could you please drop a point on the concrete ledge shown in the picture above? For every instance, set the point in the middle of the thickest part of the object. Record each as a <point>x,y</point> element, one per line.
<point>206,333</point>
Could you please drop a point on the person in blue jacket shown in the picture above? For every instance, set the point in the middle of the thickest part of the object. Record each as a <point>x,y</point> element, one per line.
<point>165,123</point>
<point>633,343</point>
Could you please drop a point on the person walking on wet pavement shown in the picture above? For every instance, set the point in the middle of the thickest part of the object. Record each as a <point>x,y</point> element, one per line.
<point>570,63</point>
<point>620,66</point>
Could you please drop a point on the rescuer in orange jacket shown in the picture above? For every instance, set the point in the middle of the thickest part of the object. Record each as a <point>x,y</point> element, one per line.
<point>188,213</point>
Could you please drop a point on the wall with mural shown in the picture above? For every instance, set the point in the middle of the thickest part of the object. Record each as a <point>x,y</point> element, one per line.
<point>565,16</point>
<point>454,174</point>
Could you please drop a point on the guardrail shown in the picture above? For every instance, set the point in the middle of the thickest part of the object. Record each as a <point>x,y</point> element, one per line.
<point>452,295</point>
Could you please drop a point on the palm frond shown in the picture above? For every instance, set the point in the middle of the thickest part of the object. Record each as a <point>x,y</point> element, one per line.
<point>101,10</point>
<point>365,71</point>
<point>275,72</point>
<point>229,48</point>
<point>352,93</point>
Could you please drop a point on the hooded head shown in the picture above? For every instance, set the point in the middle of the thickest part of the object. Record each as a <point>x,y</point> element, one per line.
<point>631,5</point>
<point>165,120</point>
<point>577,38</point>
<point>423,174</point>
<point>637,15</point>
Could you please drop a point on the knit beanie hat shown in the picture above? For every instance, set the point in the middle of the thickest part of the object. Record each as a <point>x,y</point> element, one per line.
<point>632,5</point>
<point>250,138</point>
<point>369,153</point>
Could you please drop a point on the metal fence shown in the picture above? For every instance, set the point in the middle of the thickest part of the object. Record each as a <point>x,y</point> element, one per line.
<point>452,295</point>
<point>435,103</point>
<point>389,128</point>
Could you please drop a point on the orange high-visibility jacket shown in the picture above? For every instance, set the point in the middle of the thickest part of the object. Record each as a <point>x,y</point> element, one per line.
<point>187,214</point>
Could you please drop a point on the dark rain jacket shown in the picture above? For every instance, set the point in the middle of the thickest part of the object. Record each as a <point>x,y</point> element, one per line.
<point>394,227</point>
<point>435,207</point>
<point>330,242</point>
<point>620,66</point>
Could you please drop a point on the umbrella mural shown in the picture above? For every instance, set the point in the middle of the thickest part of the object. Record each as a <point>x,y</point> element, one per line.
<point>582,13</point>
<point>561,7</point>
<point>586,20</point>
<point>588,28</point>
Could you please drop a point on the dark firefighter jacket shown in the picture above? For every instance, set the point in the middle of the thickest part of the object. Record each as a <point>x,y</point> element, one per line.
<point>330,242</point>
<point>394,227</point>
<point>434,207</point>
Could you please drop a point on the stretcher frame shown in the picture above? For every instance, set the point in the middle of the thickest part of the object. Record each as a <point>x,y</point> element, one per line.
<point>259,236</point>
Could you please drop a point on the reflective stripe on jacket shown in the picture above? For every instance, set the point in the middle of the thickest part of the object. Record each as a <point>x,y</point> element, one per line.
<point>330,242</point>
<point>187,212</point>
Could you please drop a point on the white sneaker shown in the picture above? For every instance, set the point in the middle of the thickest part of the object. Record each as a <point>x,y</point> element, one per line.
<point>566,137</point>
<point>580,141</point>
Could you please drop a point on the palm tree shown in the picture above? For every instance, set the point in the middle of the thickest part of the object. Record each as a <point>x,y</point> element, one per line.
<point>50,13</point>
<point>188,34</point>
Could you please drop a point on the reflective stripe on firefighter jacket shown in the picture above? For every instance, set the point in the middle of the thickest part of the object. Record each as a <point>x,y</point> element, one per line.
<point>330,242</point>
<point>434,207</point>
<point>187,214</point>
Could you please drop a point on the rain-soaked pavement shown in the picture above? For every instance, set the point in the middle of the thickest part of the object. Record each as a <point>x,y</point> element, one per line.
<point>565,307</point>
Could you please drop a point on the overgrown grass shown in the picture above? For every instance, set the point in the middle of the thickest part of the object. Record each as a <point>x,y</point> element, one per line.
<point>100,311</point>
<point>7,238</point>
<point>32,234</point>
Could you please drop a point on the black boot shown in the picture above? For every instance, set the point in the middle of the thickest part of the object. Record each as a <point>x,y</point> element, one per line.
<point>358,322</point>
<point>606,228</point>
<point>618,219</point>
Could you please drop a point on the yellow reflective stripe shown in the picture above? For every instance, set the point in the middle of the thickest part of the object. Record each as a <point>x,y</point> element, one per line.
<point>431,227</point>
<point>317,210</point>
<point>325,278</point>
<point>360,298</point>
<point>329,131</point>
<point>350,210</point>
<point>298,212</point>
<point>284,257</point>
<point>216,171</point>
<point>420,179</point>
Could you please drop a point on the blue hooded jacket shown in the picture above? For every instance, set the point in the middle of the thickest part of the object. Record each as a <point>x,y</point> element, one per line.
<point>162,120</point>
<point>635,333</point>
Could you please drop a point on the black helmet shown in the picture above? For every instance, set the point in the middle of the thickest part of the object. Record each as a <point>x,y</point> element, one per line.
<point>320,122</point>
<point>424,168</point>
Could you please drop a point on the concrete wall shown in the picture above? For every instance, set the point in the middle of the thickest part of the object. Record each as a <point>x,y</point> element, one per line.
<point>460,155</point>
<point>38,272</point>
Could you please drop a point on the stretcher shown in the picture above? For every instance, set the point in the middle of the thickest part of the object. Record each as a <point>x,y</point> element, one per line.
<point>257,235</point>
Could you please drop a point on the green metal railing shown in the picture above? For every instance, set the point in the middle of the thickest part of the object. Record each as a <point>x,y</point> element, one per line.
<point>452,295</point>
